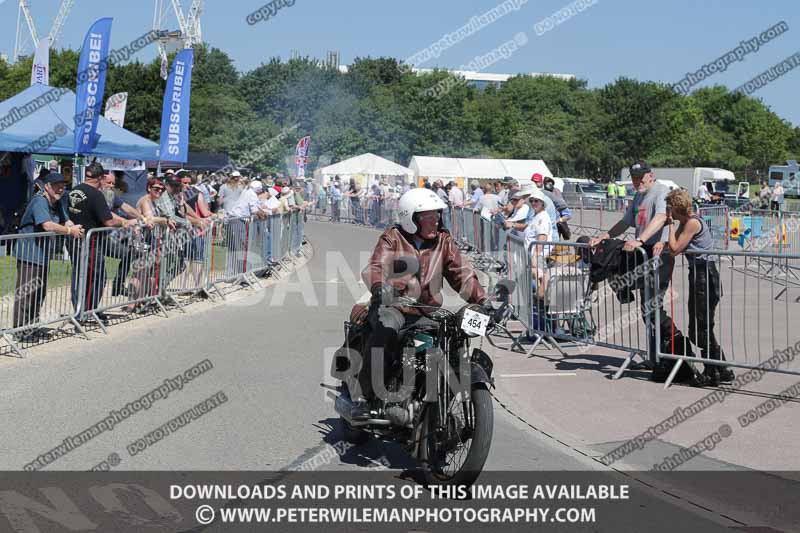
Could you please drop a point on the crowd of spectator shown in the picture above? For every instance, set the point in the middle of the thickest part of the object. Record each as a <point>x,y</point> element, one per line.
<point>536,212</point>
<point>184,203</point>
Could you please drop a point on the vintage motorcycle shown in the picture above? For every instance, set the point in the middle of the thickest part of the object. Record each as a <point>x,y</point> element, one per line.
<point>436,402</point>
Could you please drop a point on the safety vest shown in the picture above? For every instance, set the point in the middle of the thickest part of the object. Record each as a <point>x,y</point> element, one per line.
<point>612,190</point>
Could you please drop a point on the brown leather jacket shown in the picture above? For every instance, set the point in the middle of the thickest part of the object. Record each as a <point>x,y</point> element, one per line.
<point>439,259</point>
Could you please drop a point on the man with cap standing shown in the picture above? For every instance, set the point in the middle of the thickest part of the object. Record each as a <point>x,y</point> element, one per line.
<point>247,207</point>
<point>45,212</point>
<point>517,221</point>
<point>88,208</point>
<point>648,214</point>
<point>509,186</point>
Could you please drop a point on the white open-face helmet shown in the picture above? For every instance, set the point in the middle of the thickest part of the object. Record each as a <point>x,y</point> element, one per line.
<point>417,201</point>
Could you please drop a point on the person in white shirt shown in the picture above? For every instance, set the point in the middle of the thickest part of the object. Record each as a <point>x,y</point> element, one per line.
<point>477,194</point>
<point>269,201</point>
<point>703,194</point>
<point>489,202</point>
<point>539,230</point>
<point>248,204</point>
<point>517,221</point>
<point>456,195</point>
<point>777,197</point>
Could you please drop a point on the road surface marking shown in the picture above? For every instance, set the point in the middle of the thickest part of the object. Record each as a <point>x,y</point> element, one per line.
<point>538,375</point>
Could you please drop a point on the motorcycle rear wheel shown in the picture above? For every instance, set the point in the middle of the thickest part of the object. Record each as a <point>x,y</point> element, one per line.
<point>435,445</point>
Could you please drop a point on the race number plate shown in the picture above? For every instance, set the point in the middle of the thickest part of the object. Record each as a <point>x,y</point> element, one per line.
<point>475,323</point>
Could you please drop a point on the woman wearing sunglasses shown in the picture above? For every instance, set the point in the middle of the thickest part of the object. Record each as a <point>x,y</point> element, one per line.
<point>145,267</point>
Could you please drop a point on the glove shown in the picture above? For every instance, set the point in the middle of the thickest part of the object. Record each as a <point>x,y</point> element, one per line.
<point>383,294</point>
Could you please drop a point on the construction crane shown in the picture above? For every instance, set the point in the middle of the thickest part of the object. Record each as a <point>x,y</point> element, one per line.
<point>24,13</point>
<point>187,36</point>
<point>60,20</point>
<point>193,30</point>
<point>188,23</point>
<point>21,41</point>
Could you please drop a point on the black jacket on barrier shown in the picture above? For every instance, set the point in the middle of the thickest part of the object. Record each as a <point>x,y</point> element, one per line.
<point>610,262</point>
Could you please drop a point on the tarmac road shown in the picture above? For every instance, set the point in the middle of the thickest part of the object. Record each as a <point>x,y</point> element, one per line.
<point>268,354</point>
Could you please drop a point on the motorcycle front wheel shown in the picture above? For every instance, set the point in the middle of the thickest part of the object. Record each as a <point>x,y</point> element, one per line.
<point>453,451</point>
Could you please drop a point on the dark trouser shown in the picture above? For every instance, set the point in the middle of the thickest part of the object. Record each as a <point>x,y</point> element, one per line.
<point>381,342</point>
<point>704,295</point>
<point>30,292</point>
<point>94,274</point>
<point>355,207</point>
<point>774,206</point>
<point>653,307</point>
<point>120,250</point>
<point>336,212</point>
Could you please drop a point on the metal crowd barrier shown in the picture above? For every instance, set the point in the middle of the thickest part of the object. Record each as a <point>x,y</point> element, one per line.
<point>231,251</point>
<point>123,268</point>
<point>36,282</point>
<point>726,317</point>
<point>51,280</point>
<point>566,304</point>
<point>183,268</point>
<point>716,218</point>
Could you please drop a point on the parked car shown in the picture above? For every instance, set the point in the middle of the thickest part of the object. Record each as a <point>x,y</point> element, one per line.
<point>584,194</point>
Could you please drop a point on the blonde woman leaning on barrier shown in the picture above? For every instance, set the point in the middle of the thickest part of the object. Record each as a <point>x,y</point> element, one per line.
<point>694,236</point>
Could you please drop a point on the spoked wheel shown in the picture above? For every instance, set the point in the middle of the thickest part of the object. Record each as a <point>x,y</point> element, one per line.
<point>454,450</point>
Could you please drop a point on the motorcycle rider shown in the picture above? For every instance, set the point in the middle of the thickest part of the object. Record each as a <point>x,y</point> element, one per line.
<point>419,235</point>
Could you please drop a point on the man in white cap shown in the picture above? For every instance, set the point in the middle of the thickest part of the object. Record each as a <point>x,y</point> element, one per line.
<point>248,203</point>
<point>517,222</point>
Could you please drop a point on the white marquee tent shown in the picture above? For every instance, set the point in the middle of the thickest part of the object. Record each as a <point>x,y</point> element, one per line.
<point>363,168</point>
<point>459,169</point>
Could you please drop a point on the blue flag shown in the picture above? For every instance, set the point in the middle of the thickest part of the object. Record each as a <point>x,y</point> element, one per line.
<point>175,114</point>
<point>92,68</point>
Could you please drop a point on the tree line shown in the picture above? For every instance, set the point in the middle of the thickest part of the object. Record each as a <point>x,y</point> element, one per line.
<point>379,106</point>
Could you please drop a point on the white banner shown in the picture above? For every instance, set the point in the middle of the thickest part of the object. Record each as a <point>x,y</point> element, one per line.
<point>40,72</point>
<point>115,108</point>
<point>110,163</point>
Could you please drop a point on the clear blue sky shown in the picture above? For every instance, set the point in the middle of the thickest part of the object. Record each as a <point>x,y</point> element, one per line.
<point>646,40</point>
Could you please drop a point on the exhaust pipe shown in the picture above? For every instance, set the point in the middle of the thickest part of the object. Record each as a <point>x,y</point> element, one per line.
<point>343,406</point>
